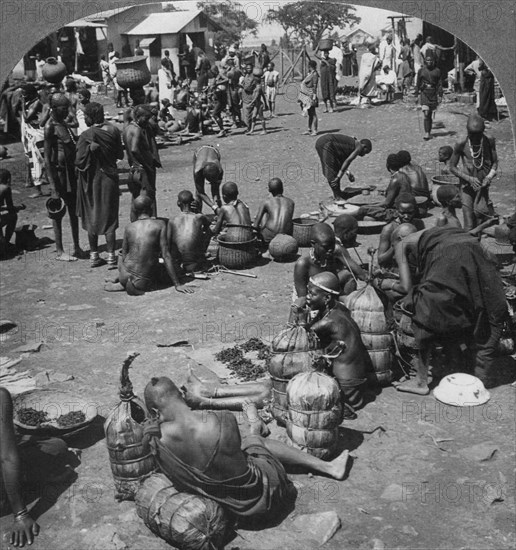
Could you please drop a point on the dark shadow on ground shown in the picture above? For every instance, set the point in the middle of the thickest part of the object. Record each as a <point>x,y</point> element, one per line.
<point>443,134</point>
<point>332,131</point>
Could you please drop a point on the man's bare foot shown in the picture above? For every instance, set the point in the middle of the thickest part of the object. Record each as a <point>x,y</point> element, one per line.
<point>63,257</point>
<point>80,254</point>
<point>414,386</point>
<point>337,467</point>
<point>256,424</point>
<point>113,287</point>
<point>111,280</point>
<point>195,386</point>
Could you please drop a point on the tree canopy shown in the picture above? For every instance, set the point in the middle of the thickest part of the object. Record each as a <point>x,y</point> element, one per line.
<point>234,20</point>
<point>312,20</point>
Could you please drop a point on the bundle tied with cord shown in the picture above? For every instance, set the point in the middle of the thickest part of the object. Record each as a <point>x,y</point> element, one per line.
<point>184,520</point>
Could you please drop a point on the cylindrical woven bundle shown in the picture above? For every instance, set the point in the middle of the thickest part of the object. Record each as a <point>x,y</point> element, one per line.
<point>186,521</point>
<point>368,312</point>
<point>315,412</point>
<point>293,352</point>
<point>131,460</point>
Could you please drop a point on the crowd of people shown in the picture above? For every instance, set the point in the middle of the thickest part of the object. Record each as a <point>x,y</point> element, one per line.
<point>459,305</point>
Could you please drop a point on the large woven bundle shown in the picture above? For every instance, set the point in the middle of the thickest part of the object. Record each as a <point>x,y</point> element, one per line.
<point>131,459</point>
<point>283,247</point>
<point>368,313</point>
<point>293,351</point>
<point>314,413</point>
<point>186,521</point>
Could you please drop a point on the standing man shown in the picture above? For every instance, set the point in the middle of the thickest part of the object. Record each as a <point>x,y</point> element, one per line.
<point>473,69</point>
<point>479,165</point>
<point>167,63</point>
<point>143,157</point>
<point>388,54</point>
<point>337,152</point>
<point>60,164</point>
<point>429,87</point>
<point>98,149</point>
<point>270,78</point>
<point>207,166</point>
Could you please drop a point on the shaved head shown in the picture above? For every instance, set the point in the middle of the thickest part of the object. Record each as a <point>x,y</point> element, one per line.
<point>276,186</point>
<point>212,172</point>
<point>323,234</point>
<point>230,190</point>
<point>160,391</point>
<point>475,124</point>
<point>185,197</point>
<point>402,231</point>
<point>326,281</point>
<point>142,205</point>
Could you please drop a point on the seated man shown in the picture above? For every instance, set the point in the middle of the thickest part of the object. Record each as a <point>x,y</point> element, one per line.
<point>29,459</point>
<point>234,211</point>
<point>275,214</point>
<point>460,304</point>
<point>322,257</point>
<point>189,235</point>
<point>386,82</point>
<point>203,453</point>
<point>8,212</point>
<point>340,338</point>
<point>445,154</point>
<point>145,240</point>
<point>406,210</point>
<point>207,166</point>
<point>399,183</point>
<point>346,231</point>
<point>416,175</point>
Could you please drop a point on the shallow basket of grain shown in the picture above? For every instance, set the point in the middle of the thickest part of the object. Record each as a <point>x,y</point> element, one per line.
<point>184,520</point>
<point>314,413</point>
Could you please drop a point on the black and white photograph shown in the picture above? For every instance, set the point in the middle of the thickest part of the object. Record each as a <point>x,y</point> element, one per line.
<point>257,275</point>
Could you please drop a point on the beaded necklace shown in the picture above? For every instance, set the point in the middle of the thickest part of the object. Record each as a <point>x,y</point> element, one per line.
<point>479,153</point>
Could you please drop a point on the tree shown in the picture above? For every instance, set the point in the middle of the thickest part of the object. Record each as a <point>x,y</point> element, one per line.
<point>232,18</point>
<point>311,20</point>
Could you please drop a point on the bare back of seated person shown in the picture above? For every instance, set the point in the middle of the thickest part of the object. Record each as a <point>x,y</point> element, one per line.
<point>234,212</point>
<point>278,212</point>
<point>210,442</point>
<point>142,245</point>
<point>190,234</point>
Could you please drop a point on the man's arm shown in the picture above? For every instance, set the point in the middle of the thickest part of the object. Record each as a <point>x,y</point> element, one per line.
<point>199,189</point>
<point>24,528</point>
<point>349,263</point>
<point>494,155</point>
<point>169,263</point>
<point>134,145</point>
<point>385,249</point>
<point>301,281</point>
<point>259,215</point>
<point>48,154</point>
<point>392,192</point>
<point>345,165</point>
<point>458,151</point>
<point>220,220</point>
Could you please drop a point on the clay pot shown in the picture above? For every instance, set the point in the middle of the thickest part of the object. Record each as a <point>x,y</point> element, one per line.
<point>53,70</point>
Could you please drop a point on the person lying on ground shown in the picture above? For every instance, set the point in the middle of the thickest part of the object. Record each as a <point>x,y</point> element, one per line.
<point>275,214</point>
<point>207,167</point>
<point>203,453</point>
<point>406,211</point>
<point>189,235</point>
<point>322,257</point>
<point>234,211</point>
<point>145,241</point>
<point>459,302</point>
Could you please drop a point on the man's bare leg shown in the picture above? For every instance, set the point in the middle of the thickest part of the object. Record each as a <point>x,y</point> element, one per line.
<point>196,386</point>
<point>289,456</point>
<point>58,236</point>
<point>419,384</point>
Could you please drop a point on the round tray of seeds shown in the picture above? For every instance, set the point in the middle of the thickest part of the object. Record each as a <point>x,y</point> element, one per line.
<point>52,412</point>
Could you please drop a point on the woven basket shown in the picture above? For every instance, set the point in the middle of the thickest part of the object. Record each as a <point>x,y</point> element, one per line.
<point>302,230</point>
<point>238,233</point>
<point>132,72</point>
<point>236,255</point>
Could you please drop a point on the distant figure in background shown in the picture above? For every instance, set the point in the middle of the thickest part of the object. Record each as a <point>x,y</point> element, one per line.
<point>167,63</point>
<point>354,61</point>
<point>416,53</point>
<point>138,50</point>
<point>263,57</point>
<point>369,64</point>
<point>84,98</point>
<point>429,88</point>
<point>165,82</point>
<point>387,53</point>
<point>473,69</point>
<point>487,108</point>
<point>8,212</point>
<point>405,70</point>
<point>120,93</point>
<point>308,98</point>
<point>126,48</point>
<point>386,82</point>
<point>202,70</point>
<point>270,78</point>
<point>347,54</point>
<point>39,66</point>
<point>105,71</point>
<point>98,149</point>
<point>328,80</point>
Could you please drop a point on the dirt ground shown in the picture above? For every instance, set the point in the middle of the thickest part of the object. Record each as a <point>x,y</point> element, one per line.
<point>414,482</point>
